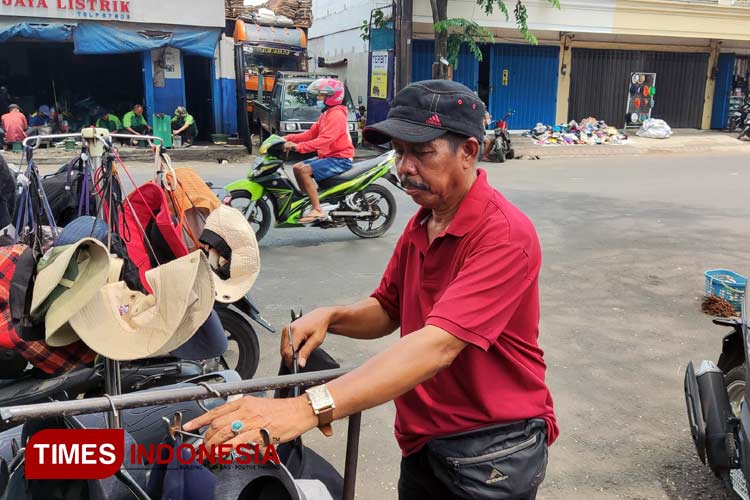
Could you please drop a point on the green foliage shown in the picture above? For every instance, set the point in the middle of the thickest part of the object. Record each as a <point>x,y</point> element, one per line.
<point>379,21</point>
<point>462,31</point>
<point>469,32</point>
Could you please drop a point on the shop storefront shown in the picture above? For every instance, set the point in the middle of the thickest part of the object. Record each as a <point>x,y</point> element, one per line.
<point>601,86</point>
<point>732,88</point>
<point>516,77</point>
<point>82,57</point>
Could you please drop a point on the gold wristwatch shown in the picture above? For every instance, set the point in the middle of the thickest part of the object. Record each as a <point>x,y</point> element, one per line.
<point>322,404</point>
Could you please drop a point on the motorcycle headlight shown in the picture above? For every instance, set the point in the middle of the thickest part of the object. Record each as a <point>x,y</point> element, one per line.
<point>352,127</point>
<point>289,126</point>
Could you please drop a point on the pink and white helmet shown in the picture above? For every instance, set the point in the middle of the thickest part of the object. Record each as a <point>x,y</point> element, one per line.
<point>331,88</point>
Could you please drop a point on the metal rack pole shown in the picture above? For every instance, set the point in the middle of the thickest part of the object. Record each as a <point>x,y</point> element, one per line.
<point>22,413</point>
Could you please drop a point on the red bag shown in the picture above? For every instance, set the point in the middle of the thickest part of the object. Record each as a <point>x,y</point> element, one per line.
<point>162,241</point>
<point>17,271</point>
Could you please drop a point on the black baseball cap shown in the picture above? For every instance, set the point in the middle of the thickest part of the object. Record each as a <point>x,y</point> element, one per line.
<point>426,110</point>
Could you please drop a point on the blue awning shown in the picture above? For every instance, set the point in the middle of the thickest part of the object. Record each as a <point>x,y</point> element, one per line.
<point>36,31</point>
<point>97,38</point>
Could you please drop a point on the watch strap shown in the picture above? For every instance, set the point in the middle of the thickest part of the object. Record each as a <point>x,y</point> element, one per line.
<point>324,422</point>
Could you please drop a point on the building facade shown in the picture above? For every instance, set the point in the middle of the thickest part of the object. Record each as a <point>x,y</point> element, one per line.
<point>85,56</point>
<point>696,53</point>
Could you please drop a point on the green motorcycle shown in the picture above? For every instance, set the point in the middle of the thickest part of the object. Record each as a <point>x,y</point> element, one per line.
<point>350,199</point>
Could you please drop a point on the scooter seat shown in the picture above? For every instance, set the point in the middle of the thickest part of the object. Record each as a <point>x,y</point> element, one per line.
<point>357,169</point>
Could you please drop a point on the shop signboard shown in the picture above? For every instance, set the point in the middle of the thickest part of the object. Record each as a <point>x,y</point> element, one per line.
<point>176,12</point>
<point>379,75</point>
<point>641,98</point>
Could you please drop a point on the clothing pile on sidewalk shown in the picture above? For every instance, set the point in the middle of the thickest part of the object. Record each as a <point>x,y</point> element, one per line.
<point>587,131</point>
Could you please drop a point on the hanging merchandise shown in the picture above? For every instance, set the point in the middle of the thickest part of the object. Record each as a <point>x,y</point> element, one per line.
<point>68,276</point>
<point>638,108</point>
<point>122,324</point>
<point>233,253</point>
<point>17,332</point>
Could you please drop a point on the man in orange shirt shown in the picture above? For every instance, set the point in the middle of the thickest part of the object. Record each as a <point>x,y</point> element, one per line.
<point>14,123</point>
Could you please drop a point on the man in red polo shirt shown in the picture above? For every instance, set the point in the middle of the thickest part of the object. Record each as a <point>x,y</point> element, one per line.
<point>474,416</point>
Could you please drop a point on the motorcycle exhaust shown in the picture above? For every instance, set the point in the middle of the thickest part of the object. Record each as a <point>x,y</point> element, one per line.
<point>709,396</point>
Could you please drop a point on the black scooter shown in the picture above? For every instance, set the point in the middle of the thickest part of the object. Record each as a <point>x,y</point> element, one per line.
<point>716,395</point>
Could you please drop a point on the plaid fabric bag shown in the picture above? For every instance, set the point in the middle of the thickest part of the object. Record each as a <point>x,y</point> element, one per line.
<point>17,332</point>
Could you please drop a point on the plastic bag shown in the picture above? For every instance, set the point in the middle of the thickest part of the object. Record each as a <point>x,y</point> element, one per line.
<point>653,128</point>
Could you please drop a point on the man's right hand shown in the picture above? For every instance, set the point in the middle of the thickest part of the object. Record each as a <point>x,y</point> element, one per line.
<point>309,331</point>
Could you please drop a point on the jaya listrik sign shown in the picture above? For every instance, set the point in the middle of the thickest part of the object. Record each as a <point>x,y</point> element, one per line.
<point>82,9</point>
<point>175,12</point>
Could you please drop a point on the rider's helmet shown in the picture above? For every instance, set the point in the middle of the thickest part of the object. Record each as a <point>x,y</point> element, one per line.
<point>332,88</point>
<point>180,111</point>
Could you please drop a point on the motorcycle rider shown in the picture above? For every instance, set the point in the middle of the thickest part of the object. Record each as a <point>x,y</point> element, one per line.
<point>329,136</point>
<point>489,139</point>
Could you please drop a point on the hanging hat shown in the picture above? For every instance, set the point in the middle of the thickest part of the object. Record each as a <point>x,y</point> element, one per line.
<point>646,90</point>
<point>634,78</point>
<point>634,118</point>
<point>637,102</point>
<point>83,227</point>
<point>17,332</point>
<point>123,324</point>
<point>233,253</point>
<point>633,88</point>
<point>68,277</point>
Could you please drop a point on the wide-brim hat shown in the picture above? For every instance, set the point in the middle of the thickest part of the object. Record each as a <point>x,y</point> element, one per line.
<point>123,324</point>
<point>68,277</point>
<point>233,253</point>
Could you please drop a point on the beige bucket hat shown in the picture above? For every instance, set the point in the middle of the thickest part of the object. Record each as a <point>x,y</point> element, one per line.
<point>233,253</point>
<point>68,278</point>
<point>123,324</point>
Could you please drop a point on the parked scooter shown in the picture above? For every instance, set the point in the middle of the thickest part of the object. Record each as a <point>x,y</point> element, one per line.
<point>351,199</point>
<point>501,147</point>
<point>716,395</point>
<point>740,116</point>
<point>745,132</point>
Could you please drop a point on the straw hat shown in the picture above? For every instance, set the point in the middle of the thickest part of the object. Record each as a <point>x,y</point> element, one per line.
<point>68,277</point>
<point>123,324</point>
<point>233,253</point>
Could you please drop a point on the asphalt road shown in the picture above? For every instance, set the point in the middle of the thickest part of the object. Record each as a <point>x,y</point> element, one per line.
<point>625,242</point>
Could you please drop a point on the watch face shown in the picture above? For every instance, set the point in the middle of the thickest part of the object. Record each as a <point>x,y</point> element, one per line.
<point>320,397</point>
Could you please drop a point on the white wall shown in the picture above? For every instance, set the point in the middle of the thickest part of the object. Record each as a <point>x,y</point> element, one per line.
<point>591,16</point>
<point>335,35</point>
<point>209,13</point>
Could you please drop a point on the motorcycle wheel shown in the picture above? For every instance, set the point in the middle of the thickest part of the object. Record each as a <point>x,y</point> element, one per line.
<point>511,154</point>
<point>257,213</point>
<point>243,353</point>
<point>501,153</point>
<point>371,198</point>
<point>734,381</point>
<point>743,134</point>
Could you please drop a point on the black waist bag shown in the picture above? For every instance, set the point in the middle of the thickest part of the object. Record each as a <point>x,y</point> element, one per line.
<point>506,461</point>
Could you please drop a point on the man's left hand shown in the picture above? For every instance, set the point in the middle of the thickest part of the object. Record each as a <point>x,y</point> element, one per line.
<point>289,146</point>
<point>285,419</point>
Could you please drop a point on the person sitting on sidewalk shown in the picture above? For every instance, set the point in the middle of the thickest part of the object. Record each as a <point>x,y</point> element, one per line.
<point>14,123</point>
<point>183,124</point>
<point>329,136</point>
<point>109,121</point>
<point>134,121</point>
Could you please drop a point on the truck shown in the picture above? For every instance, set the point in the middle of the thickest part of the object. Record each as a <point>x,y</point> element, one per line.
<point>290,109</point>
<point>264,50</point>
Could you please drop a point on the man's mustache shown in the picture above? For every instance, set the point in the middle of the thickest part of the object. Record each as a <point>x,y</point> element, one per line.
<point>408,183</point>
